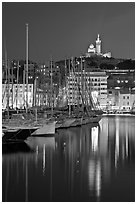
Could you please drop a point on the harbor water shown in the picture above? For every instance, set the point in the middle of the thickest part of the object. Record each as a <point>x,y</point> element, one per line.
<point>88,163</point>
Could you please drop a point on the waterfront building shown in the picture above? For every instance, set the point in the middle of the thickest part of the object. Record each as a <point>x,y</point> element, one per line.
<point>120,82</point>
<point>16,94</point>
<point>113,99</point>
<point>31,72</point>
<point>17,69</point>
<point>45,70</point>
<point>126,100</point>
<point>120,99</point>
<point>88,85</point>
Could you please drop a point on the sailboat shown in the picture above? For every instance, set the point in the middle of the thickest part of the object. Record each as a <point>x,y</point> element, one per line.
<point>85,113</point>
<point>20,124</point>
<point>65,118</point>
<point>48,129</point>
<point>46,126</point>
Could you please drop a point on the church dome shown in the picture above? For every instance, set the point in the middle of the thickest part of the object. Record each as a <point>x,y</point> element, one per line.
<point>91,46</point>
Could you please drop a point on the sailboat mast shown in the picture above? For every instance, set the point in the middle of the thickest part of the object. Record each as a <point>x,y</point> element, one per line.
<point>82,80</point>
<point>8,87</point>
<point>72,71</point>
<point>12,84</point>
<point>17,85</point>
<point>27,67</point>
<point>65,71</point>
<point>35,85</point>
<point>7,81</point>
<point>51,87</point>
<point>35,91</point>
<point>69,90</point>
<point>24,86</point>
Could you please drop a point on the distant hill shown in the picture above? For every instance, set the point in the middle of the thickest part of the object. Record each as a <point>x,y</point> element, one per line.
<point>98,60</point>
<point>102,62</point>
<point>95,61</point>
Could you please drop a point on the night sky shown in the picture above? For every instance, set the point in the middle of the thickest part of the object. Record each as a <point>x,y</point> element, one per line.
<point>65,29</point>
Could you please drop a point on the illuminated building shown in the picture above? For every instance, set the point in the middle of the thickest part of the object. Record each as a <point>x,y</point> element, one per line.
<point>98,45</point>
<point>97,49</point>
<point>17,95</point>
<point>87,84</point>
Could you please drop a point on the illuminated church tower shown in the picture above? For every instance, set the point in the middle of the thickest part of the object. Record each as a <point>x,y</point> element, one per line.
<point>98,45</point>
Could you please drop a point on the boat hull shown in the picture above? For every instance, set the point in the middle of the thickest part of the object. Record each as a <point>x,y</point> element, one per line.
<point>17,134</point>
<point>75,122</point>
<point>46,129</point>
<point>65,124</point>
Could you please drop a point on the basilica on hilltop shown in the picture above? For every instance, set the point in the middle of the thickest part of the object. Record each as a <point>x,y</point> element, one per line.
<point>96,50</point>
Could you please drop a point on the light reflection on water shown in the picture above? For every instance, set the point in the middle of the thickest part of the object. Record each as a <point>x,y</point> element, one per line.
<point>91,163</point>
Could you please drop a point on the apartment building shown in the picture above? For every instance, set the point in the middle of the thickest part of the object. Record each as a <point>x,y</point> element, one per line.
<point>87,85</point>
<point>126,99</point>
<point>17,95</point>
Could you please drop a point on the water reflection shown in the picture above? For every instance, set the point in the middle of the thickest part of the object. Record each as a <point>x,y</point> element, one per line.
<point>78,164</point>
<point>117,142</point>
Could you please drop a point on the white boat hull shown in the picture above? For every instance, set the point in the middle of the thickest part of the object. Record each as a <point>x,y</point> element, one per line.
<point>46,129</point>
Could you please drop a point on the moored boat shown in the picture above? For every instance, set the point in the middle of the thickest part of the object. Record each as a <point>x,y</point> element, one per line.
<point>65,123</point>
<point>45,129</point>
<point>16,133</point>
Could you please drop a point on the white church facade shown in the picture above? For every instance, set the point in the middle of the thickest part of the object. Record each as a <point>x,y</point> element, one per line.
<point>97,49</point>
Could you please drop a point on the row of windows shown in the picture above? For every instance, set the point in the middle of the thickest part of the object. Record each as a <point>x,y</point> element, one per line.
<point>124,104</point>
<point>124,97</point>
<point>19,95</point>
<point>87,79</point>
<point>21,90</point>
<point>95,88</point>
<point>91,84</point>
<point>122,81</point>
<point>126,108</point>
<point>20,86</point>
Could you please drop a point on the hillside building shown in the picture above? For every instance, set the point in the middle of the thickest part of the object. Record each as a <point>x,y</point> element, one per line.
<point>97,49</point>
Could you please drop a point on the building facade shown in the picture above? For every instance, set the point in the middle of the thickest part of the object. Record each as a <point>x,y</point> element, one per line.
<point>86,86</point>
<point>120,99</point>
<point>126,100</point>
<point>97,49</point>
<point>17,95</point>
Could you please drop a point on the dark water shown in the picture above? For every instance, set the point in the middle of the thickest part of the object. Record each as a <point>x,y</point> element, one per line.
<point>78,164</point>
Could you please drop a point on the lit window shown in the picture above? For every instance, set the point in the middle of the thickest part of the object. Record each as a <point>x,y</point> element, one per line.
<point>118,81</point>
<point>126,81</point>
